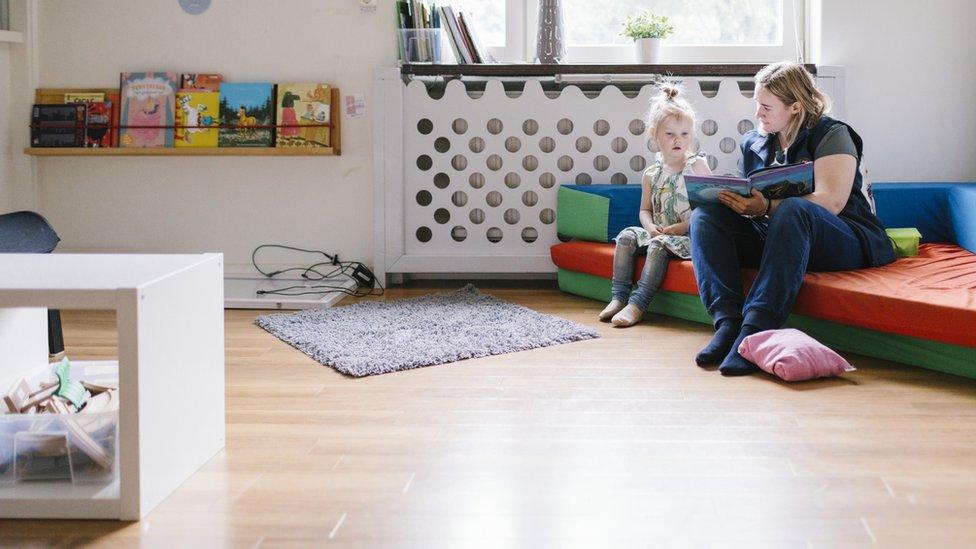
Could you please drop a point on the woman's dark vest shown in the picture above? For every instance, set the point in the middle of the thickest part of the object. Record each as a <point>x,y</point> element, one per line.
<point>759,152</point>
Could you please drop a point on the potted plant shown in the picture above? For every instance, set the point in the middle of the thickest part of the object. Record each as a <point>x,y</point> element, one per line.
<point>648,30</point>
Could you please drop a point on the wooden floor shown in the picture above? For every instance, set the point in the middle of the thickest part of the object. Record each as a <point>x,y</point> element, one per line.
<point>617,441</point>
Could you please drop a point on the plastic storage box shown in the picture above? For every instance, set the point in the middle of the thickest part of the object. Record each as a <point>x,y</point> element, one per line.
<point>78,448</point>
<point>425,46</point>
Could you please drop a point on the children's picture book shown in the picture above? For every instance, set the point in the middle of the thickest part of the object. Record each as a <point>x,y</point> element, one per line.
<point>111,96</point>
<point>197,117</point>
<point>774,182</point>
<point>304,115</point>
<point>147,115</point>
<point>58,125</point>
<point>83,97</point>
<point>246,114</point>
<point>203,82</point>
<point>100,132</point>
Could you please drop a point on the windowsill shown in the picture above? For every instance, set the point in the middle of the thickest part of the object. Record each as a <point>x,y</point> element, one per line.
<point>532,70</point>
<point>11,36</point>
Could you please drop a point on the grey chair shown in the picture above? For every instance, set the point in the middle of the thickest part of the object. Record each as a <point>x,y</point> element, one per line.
<point>28,232</point>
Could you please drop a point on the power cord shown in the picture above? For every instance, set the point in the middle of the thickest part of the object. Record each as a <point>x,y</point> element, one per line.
<point>366,282</point>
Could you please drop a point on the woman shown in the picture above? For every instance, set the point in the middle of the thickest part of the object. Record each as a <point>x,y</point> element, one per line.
<point>831,229</point>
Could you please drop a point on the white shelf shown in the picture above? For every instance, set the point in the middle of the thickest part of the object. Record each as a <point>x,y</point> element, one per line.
<point>11,36</point>
<point>46,499</point>
<point>170,317</point>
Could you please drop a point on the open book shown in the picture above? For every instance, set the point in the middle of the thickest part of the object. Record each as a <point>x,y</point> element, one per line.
<point>775,182</point>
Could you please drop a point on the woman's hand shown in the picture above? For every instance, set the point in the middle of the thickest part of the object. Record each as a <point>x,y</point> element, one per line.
<point>753,205</point>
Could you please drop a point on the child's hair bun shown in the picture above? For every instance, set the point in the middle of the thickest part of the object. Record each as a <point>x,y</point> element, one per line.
<point>669,90</point>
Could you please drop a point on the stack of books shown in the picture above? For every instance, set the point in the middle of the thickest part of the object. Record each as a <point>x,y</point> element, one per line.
<point>420,25</point>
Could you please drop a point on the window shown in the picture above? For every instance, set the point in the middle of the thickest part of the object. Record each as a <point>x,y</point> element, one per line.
<point>500,25</point>
<point>706,31</point>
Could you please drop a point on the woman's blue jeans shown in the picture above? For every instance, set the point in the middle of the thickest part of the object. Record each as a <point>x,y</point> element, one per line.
<point>801,236</point>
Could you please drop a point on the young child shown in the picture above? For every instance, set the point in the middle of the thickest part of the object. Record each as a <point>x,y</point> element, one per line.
<point>664,209</point>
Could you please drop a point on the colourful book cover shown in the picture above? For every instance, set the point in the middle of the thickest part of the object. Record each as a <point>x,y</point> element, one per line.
<point>100,132</point>
<point>203,82</point>
<point>197,115</point>
<point>58,125</point>
<point>246,115</point>
<point>148,111</point>
<point>304,114</point>
<point>76,96</point>
<point>774,182</point>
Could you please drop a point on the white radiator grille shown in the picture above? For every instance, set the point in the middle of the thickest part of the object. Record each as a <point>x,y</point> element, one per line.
<point>481,173</point>
<point>467,183</point>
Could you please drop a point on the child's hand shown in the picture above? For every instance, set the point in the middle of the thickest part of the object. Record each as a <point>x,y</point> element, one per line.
<point>678,229</point>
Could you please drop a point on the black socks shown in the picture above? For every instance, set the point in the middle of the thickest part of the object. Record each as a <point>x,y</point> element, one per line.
<point>734,363</point>
<point>721,342</point>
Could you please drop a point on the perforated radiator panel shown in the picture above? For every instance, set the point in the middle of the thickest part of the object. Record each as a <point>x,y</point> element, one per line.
<point>480,174</point>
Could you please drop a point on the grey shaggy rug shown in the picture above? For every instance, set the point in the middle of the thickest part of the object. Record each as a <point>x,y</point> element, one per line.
<point>378,337</point>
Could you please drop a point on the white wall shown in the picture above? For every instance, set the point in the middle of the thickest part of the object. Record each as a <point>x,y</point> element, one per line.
<point>911,79</point>
<point>16,87</point>
<point>6,131</point>
<point>212,203</point>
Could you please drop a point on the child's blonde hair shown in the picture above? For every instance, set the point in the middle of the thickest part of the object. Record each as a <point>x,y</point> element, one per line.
<point>669,102</point>
<point>791,83</point>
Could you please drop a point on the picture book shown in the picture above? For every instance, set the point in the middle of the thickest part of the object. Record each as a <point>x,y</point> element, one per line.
<point>58,125</point>
<point>246,115</point>
<point>83,97</point>
<point>304,115</point>
<point>197,116</point>
<point>775,182</point>
<point>99,131</point>
<point>202,82</point>
<point>148,111</point>
<point>109,95</point>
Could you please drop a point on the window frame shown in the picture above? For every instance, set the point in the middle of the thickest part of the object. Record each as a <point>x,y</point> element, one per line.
<point>521,20</point>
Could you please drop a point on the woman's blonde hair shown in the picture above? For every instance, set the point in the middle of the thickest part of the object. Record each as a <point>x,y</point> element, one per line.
<point>666,104</point>
<point>791,83</point>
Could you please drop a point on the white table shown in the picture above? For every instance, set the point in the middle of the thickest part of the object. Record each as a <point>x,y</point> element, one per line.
<point>169,310</point>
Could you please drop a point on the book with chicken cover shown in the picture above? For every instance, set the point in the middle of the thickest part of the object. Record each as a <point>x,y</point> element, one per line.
<point>148,111</point>
<point>304,115</point>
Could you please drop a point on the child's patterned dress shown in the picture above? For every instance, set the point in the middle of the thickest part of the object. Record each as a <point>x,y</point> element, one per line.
<point>669,202</point>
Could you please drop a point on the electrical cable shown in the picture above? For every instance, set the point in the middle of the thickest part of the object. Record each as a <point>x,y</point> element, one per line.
<point>366,282</point>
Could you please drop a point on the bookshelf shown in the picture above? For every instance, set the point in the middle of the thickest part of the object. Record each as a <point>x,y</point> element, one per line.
<point>56,95</point>
<point>182,151</point>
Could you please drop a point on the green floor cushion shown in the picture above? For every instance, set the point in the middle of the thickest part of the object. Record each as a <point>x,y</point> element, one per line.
<point>942,357</point>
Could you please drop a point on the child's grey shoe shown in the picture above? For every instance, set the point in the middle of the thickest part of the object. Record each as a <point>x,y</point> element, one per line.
<point>628,316</point>
<point>611,309</point>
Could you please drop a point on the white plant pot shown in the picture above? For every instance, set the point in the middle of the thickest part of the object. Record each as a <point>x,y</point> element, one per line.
<point>648,50</point>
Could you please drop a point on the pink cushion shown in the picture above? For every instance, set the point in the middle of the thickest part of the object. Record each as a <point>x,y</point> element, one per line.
<point>792,355</point>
